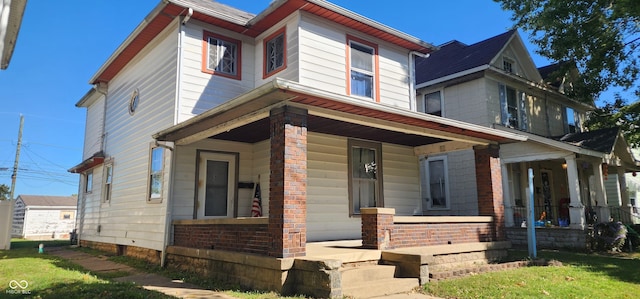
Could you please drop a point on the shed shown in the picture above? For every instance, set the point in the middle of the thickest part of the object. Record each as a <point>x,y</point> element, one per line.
<point>41,217</point>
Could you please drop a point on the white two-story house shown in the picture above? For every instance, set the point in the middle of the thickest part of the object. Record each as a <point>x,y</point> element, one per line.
<point>494,83</point>
<point>203,103</point>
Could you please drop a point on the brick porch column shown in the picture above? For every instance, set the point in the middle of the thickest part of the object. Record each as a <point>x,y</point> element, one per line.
<point>489,185</point>
<point>377,224</point>
<point>288,182</point>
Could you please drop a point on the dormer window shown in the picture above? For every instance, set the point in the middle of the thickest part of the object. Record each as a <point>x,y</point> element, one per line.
<point>507,65</point>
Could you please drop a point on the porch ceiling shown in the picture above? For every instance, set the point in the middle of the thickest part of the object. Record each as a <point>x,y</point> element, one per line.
<point>259,131</point>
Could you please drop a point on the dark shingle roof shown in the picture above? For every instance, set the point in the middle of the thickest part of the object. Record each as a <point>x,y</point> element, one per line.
<point>454,57</point>
<point>548,75</point>
<point>44,200</point>
<point>602,140</point>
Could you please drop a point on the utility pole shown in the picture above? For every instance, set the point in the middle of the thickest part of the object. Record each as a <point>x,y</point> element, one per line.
<point>15,163</point>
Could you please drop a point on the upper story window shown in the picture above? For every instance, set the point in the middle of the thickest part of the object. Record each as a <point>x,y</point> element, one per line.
<point>221,55</point>
<point>433,103</point>
<point>513,108</point>
<point>275,52</point>
<point>507,65</point>
<point>362,67</point>
<point>571,121</point>
<point>156,169</point>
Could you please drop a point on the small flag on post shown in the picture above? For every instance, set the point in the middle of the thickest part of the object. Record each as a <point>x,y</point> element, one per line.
<point>256,208</point>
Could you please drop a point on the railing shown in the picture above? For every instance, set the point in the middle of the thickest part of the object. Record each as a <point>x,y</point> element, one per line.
<point>554,215</point>
<point>627,215</point>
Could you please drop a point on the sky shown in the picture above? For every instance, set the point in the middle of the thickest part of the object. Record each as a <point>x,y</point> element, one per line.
<point>62,44</point>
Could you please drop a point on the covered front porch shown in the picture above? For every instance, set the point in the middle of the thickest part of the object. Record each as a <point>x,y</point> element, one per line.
<point>569,178</point>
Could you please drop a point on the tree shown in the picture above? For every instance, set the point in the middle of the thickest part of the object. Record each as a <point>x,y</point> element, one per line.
<point>4,192</point>
<point>627,117</point>
<point>599,37</point>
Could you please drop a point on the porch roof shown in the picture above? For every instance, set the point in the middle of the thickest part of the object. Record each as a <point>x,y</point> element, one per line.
<point>246,119</point>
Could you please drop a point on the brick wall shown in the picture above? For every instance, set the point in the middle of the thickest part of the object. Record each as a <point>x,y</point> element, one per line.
<point>379,231</point>
<point>551,238</point>
<point>288,182</point>
<point>249,238</point>
<point>150,255</point>
<point>489,184</point>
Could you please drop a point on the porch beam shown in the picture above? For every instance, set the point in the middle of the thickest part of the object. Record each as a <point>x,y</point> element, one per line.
<point>533,158</point>
<point>394,126</point>
<point>442,147</point>
<point>225,126</point>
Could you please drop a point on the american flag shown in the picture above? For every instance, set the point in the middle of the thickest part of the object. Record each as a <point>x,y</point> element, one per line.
<point>256,208</point>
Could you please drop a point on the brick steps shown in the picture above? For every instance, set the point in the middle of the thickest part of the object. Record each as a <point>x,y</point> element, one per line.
<point>368,281</point>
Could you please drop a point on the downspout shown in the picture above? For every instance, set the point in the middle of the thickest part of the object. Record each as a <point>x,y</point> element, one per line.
<point>412,78</point>
<point>169,203</point>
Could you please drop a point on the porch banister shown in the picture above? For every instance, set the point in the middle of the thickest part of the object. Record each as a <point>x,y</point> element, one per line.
<point>576,209</point>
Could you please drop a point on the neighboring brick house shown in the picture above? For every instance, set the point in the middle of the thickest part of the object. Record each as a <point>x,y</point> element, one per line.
<point>203,102</point>
<point>494,83</point>
<point>40,217</point>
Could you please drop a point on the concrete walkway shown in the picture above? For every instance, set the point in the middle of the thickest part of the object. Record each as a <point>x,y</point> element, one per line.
<point>149,281</point>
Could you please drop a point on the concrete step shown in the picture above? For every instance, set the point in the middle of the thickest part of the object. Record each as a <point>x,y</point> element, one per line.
<point>378,288</point>
<point>361,274</point>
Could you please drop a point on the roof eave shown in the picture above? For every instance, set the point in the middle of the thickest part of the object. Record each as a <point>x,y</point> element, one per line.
<point>11,24</point>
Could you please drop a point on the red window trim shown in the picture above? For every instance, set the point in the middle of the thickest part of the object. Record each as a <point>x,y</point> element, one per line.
<point>283,31</point>
<point>205,55</point>
<point>376,66</point>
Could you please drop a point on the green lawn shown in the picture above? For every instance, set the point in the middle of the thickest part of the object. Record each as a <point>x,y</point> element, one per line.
<point>579,276</point>
<point>23,271</point>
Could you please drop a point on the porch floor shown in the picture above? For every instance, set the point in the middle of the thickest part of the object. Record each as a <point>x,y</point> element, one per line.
<point>348,251</point>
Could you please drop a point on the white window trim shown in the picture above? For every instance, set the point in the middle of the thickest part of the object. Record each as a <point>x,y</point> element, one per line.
<point>521,107</point>
<point>424,101</point>
<point>88,182</point>
<point>150,198</point>
<point>107,192</point>
<point>565,119</point>
<point>511,61</point>
<point>428,200</point>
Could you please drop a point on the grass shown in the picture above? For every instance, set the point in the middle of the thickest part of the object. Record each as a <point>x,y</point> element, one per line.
<point>579,276</point>
<point>46,276</point>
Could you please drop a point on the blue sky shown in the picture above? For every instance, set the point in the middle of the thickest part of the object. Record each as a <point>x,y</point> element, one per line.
<point>61,44</point>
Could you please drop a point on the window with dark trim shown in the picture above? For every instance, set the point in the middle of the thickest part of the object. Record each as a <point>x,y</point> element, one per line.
<point>362,68</point>
<point>433,103</point>
<point>275,52</point>
<point>365,175</point>
<point>221,55</point>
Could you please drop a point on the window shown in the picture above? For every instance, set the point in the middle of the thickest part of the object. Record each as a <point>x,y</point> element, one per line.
<point>275,56</point>
<point>435,189</point>
<point>433,103</point>
<point>365,175</point>
<point>513,108</point>
<point>507,65</point>
<point>134,100</point>
<point>571,123</point>
<point>108,180</point>
<point>88,184</point>
<point>362,66</point>
<point>156,168</point>
<point>221,55</point>
<point>66,215</point>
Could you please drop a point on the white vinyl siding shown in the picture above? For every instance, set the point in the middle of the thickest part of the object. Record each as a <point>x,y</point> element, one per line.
<point>200,91</point>
<point>93,128</point>
<point>291,36</point>
<point>322,61</point>
<point>127,218</point>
